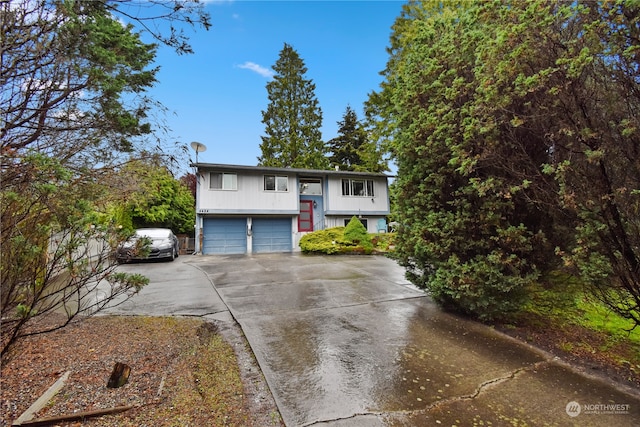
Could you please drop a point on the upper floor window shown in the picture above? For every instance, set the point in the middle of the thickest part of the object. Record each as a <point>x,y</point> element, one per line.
<point>357,187</point>
<point>276,183</point>
<point>311,186</point>
<point>223,181</point>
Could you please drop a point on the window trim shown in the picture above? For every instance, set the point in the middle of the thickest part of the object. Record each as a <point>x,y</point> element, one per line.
<point>277,178</point>
<point>311,181</point>
<point>234,181</point>
<point>368,186</point>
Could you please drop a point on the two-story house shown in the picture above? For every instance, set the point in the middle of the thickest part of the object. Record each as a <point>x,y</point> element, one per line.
<point>250,209</point>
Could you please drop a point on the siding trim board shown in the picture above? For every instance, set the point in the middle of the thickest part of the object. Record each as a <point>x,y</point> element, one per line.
<point>286,171</point>
<point>206,212</point>
<point>363,213</point>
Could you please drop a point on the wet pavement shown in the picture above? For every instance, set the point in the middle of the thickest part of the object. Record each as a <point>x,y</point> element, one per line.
<point>347,341</point>
<point>175,288</point>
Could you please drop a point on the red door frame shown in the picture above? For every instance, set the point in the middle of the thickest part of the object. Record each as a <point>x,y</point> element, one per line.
<point>306,206</point>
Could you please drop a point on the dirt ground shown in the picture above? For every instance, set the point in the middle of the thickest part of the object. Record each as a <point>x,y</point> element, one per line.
<point>163,353</point>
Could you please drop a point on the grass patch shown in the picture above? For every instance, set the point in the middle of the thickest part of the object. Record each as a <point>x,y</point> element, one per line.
<point>208,390</point>
<point>564,301</point>
<point>597,317</point>
<point>562,315</point>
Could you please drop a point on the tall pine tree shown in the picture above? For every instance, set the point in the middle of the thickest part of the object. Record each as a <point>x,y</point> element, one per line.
<point>293,118</point>
<point>345,148</point>
<point>353,149</point>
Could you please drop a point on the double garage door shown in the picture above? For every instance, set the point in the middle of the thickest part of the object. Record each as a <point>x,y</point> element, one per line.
<point>229,235</point>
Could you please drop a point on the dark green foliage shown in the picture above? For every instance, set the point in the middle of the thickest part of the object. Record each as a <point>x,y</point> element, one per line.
<point>157,199</point>
<point>515,130</point>
<point>66,67</point>
<point>459,235</point>
<point>351,150</point>
<point>344,148</point>
<point>293,118</point>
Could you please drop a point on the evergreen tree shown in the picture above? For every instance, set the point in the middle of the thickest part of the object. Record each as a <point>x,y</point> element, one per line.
<point>515,131</point>
<point>345,147</point>
<point>460,235</point>
<point>293,117</point>
<point>73,107</point>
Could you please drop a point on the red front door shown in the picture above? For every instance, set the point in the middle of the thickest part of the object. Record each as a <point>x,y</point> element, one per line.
<point>305,219</point>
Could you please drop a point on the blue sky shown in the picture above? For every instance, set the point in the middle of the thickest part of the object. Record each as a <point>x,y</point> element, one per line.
<point>216,95</point>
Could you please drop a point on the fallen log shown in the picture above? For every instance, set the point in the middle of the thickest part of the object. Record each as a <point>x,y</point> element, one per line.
<point>78,416</point>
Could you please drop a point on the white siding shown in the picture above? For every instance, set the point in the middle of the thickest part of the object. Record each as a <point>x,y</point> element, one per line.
<point>337,203</point>
<point>249,197</point>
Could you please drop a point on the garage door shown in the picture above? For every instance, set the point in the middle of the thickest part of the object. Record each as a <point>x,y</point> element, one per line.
<point>224,236</point>
<point>271,234</point>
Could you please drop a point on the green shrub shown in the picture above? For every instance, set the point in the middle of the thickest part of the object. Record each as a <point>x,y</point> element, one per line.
<point>329,241</point>
<point>335,241</point>
<point>356,233</point>
<point>383,242</point>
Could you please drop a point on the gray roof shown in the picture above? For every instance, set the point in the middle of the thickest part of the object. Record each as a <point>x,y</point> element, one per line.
<point>262,169</point>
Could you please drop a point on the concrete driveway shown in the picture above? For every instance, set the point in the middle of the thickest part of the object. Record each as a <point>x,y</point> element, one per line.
<point>347,341</point>
<point>175,288</point>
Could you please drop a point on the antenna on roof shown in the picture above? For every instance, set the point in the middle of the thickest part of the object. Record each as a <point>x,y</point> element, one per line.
<point>198,147</point>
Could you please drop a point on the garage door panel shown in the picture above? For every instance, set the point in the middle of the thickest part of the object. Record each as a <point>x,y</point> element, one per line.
<point>224,236</point>
<point>271,234</point>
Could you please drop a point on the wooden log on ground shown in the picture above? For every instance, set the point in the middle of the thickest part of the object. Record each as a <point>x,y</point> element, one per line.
<point>78,416</point>
<point>119,375</point>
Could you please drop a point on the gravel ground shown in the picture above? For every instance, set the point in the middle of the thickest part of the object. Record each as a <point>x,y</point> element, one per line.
<point>152,347</point>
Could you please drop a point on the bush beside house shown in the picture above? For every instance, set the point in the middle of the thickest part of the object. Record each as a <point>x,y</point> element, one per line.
<point>344,240</point>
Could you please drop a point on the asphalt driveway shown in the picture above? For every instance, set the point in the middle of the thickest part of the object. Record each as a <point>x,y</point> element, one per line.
<point>347,341</point>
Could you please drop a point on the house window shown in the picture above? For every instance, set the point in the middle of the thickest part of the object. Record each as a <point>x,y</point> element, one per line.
<point>357,187</point>
<point>223,181</point>
<point>276,183</point>
<point>362,220</point>
<point>311,186</point>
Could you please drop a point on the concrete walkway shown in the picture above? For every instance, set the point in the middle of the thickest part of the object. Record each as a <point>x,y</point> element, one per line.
<point>347,341</point>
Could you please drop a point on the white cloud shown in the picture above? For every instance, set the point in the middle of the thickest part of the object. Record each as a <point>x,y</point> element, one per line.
<point>256,68</point>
